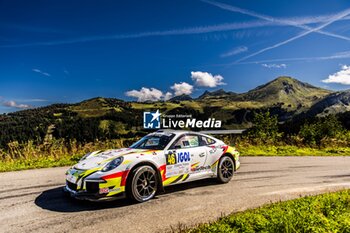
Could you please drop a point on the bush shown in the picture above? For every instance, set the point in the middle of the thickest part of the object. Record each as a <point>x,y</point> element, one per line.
<point>326,127</point>
<point>265,128</point>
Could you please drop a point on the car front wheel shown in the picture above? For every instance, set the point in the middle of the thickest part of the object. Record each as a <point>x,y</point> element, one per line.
<point>143,185</point>
<point>225,169</point>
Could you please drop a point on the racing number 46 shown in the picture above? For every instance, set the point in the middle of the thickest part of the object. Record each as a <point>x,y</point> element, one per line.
<point>171,158</point>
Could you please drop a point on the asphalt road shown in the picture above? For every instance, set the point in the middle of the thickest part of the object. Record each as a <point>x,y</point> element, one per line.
<point>32,201</point>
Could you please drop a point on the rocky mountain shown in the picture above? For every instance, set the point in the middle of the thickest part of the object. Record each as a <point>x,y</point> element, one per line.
<point>334,103</point>
<point>219,94</point>
<point>285,91</point>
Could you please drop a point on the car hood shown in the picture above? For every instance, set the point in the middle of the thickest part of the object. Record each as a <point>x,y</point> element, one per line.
<point>100,158</point>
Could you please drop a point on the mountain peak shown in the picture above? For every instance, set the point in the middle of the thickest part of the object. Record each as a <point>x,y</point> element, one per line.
<point>287,90</point>
<point>218,93</point>
<point>284,80</point>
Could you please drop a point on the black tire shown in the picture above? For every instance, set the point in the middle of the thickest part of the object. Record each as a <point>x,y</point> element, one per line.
<point>226,168</point>
<point>143,184</point>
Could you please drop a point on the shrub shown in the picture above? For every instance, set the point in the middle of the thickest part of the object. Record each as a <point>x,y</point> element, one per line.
<point>265,128</point>
<point>326,127</point>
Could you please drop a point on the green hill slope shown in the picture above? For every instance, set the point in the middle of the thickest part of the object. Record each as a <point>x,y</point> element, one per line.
<point>286,91</point>
<point>101,118</point>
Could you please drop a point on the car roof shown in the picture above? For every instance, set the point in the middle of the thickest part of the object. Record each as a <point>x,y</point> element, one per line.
<point>179,132</point>
<point>175,131</point>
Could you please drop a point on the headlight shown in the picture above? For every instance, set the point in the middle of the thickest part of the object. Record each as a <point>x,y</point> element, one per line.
<point>85,156</point>
<point>113,164</point>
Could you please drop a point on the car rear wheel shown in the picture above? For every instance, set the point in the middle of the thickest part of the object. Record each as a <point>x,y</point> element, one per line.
<point>143,185</point>
<point>225,169</point>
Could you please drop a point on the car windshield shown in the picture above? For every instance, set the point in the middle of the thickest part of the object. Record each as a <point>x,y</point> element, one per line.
<point>153,142</point>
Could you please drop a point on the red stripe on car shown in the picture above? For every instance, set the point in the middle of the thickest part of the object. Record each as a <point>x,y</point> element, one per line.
<point>162,168</point>
<point>111,176</point>
<point>124,176</point>
<point>224,148</point>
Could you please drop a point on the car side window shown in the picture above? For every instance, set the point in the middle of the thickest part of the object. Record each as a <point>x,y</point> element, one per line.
<point>186,141</point>
<point>152,142</point>
<point>207,141</point>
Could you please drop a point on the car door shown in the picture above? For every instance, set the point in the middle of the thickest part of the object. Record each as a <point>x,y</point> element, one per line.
<point>186,156</point>
<point>213,152</point>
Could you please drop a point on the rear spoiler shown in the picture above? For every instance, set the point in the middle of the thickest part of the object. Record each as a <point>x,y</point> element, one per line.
<point>229,131</point>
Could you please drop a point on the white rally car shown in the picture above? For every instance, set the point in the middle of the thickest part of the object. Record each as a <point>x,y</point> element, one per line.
<point>162,158</point>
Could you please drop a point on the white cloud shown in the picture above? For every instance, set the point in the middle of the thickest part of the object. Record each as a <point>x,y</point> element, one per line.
<point>13,104</point>
<point>235,51</point>
<point>146,94</point>
<point>41,72</point>
<point>167,96</point>
<point>205,79</point>
<point>278,66</point>
<point>182,88</point>
<point>341,77</point>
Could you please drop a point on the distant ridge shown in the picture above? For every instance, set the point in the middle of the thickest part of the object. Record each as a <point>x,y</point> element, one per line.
<point>284,96</point>
<point>221,93</point>
<point>182,97</point>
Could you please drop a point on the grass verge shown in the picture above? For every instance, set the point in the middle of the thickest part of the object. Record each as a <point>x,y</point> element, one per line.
<point>29,156</point>
<point>269,150</point>
<point>54,154</point>
<point>42,162</point>
<point>323,213</point>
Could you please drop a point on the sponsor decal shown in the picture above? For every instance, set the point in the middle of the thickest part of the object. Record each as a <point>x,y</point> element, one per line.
<point>114,190</point>
<point>183,157</point>
<point>200,168</point>
<point>177,169</point>
<point>180,157</point>
<point>72,176</point>
<point>212,150</point>
<point>108,190</point>
<point>153,120</point>
<point>104,190</point>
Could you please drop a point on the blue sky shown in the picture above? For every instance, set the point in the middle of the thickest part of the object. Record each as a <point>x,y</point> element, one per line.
<point>68,51</point>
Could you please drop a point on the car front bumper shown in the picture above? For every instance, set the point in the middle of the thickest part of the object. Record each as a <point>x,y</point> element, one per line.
<point>84,195</point>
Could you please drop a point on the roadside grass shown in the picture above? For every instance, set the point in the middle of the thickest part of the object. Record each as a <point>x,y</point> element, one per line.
<point>56,153</point>
<point>322,213</point>
<point>59,153</point>
<point>42,162</point>
<point>287,150</point>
